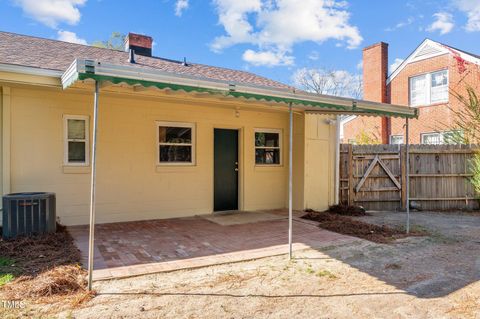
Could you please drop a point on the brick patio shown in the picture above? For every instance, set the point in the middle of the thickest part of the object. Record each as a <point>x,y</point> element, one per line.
<point>142,247</point>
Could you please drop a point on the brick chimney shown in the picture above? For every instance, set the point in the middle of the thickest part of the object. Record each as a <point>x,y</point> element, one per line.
<point>141,44</point>
<point>375,72</point>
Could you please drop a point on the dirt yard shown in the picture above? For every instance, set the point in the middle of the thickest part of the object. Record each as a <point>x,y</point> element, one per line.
<point>417,277</point>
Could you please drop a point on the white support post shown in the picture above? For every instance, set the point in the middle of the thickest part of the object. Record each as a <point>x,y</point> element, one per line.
<point>407,174</point>
<point>91,236</point>
<point>290,183</point>
<point>338,123</point>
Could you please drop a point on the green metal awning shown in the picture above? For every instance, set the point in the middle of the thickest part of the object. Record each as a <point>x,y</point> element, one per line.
<point>134,75</point>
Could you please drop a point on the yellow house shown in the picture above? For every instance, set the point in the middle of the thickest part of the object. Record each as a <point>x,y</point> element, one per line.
<point>173,139</point>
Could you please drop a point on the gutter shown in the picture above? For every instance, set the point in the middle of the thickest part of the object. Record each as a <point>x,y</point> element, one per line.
<point>12,68</point>
<point>81,70</point>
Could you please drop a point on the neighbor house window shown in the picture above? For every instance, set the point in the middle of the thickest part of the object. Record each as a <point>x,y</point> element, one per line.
<point>429,88</point>
<point>176,143</point>
<point>396,139</point>
<point>450,137</point>
<point>268,147</point>
<point>76,141</point>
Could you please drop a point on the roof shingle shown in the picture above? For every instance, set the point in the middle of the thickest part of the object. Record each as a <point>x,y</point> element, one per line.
<point>57,55</point>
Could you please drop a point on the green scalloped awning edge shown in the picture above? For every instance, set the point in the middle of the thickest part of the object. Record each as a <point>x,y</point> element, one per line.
<point>236,94</point>
<point>387,113</point>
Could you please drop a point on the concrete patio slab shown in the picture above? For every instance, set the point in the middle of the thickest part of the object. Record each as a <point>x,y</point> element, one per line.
<point>145,247</point>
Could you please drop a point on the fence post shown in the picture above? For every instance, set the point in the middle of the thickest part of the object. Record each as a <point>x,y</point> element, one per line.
<point>351,195</point>
<point>403,161</point>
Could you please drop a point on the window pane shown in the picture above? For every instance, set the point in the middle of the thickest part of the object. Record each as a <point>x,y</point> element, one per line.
<point>418,94</point>
<point>431,139</point>
<point>174,153</point>
<point>267,139</point>
<point>175,134</point>
<point>396,139</point>
<point>267,156</point>
<point>76,129</point>
<point>439,79</point>
<point>76,152</point>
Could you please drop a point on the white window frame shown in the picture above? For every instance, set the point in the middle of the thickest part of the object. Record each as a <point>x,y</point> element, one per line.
<point>280,145</point>
<point>428,88</point>
<point>192,126</point>
<point>85,118</point>
<point>439,134</point>
<point>392,136</point>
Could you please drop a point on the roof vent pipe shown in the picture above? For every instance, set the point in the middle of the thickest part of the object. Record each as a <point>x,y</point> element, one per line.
<point>131,56</point>
<point>185,61</point>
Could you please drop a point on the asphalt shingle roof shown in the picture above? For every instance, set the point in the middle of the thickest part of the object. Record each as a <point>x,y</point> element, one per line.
<point>57,55</point>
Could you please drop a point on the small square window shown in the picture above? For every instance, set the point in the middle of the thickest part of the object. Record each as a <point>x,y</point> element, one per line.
<point>175,143</point>
<point>268,147</point>
<point>76,140</point>
<point>396,139</point>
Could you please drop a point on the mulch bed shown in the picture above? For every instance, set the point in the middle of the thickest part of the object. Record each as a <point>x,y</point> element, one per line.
<point>46,266</point>
<point>348,226</point>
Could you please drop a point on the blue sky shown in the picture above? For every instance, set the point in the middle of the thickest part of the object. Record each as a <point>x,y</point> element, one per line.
<point>273,38</point>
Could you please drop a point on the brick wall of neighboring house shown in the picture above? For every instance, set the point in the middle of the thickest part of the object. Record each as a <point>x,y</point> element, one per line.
<point>432,118</point>
<point>436,117</point>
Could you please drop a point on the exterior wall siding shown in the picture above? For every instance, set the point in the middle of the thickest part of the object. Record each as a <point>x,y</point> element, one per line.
<point>130,186</point>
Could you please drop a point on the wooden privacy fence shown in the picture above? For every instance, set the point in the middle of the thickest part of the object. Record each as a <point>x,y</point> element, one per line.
<point>374,176</point>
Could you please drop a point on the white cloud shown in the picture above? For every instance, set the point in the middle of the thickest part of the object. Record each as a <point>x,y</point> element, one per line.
<point>180,6</point>
<point>360,65</point>
<point>275,26</point>
<point>443,23</point>
<point>401,24</point>
<point>331,82</point>
<point>69,36</point>
<point>52,12</point>
<point>472,9</point>
<point>395,65</point>
<point>314,56</point>
<point>267,58</point>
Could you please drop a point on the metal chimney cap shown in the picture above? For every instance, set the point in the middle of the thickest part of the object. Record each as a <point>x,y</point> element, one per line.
<point>131,56</point>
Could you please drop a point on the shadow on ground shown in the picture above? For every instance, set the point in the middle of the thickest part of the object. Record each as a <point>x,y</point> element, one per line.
<point>426,267</point>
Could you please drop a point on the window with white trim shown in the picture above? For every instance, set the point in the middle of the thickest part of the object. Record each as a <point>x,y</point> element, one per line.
<point>268,146</point>
<point>430,88</point>
<point>449,137</point>
<point>176,143</point>
<point>76,140</point>
<point>396,139</point>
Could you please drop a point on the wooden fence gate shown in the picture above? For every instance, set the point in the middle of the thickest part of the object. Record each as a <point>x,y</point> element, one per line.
<point>374,176</point>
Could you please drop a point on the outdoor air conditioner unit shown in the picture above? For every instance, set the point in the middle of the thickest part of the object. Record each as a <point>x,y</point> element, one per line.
<point>26,214</point>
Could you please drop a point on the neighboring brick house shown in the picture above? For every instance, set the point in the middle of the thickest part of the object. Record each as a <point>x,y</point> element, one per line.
<point>425,80</point>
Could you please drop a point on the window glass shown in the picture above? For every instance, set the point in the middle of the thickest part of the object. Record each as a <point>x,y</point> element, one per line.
<point>76,129</point>
<point>76,152</point>
<point>418,90</point>
<point>175,143</point>
<point>396,139</point>
<point>76,139</point>
<point>267,148</point>
<point>174,134</point>
<point>439,90</point>
<point>432,138</point>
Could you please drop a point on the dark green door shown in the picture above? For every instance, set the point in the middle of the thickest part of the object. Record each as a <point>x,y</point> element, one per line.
<point>225,170</point>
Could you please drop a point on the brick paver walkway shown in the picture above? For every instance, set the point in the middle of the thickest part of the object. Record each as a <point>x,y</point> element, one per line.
<point>141,247</point>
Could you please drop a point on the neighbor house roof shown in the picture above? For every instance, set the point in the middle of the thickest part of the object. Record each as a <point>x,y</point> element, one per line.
<point>429,49</point>
<point>22,50</point>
